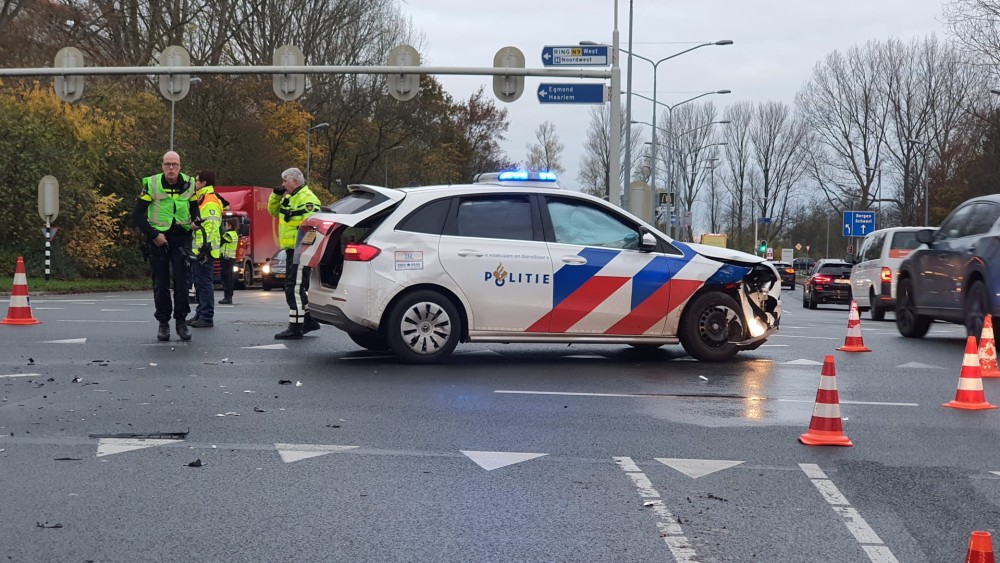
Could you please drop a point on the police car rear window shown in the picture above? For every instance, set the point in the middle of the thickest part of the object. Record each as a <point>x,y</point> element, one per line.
<point>355,202</point>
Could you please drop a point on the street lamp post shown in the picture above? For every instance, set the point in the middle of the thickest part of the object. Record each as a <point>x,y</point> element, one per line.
<point>194,80</point>
<point>628,99</point>
<point>385,165</point>
<point>308,146</point>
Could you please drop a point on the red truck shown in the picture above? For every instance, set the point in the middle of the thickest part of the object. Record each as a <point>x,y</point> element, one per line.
<point>258,231</point>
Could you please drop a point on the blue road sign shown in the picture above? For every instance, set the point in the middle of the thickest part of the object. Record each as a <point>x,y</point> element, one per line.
<point>572,93</point>
<point>764,220</point>
<point>858,223</point>
<point>576,55</point>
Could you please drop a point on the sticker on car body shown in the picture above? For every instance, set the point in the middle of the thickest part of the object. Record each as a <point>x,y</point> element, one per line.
<point>409,260</point>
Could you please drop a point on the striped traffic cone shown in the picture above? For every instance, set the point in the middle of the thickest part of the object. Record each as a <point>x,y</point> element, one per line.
<point>19,312</point>
<point>988,351</point>
<point>980,548</point>
<point>826,427</point>
<point>854,341</point>
<point>970,394</point>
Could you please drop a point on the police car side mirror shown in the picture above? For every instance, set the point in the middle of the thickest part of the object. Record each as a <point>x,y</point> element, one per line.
<point>647,241</point>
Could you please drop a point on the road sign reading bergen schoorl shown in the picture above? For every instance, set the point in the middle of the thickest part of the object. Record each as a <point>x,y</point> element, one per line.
<point>575,55</point>
<point>572,93</point>
<point>858,223</point>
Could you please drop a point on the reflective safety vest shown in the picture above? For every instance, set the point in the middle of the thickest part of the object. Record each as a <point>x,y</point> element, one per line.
<point>292,209</point>
<point>210,208</point>
<point>230,240</point>
<point>168,207</point>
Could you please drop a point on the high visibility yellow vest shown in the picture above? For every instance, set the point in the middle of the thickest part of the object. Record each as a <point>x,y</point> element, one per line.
<point>211,221</point>
<point>230,240</point>
<point>292,209</point>
<point>167,208</point>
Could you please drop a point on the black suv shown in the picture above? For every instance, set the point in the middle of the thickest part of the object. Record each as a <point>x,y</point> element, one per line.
<point>953,278</point>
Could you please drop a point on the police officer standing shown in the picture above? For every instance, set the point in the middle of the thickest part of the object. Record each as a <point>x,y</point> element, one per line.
<point>293,202</point>
<point>164,212</point>
<point>207,239</point>
<point>230,241</point>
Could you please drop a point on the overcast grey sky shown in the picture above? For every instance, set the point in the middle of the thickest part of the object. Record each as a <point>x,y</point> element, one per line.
<point>777,44</point>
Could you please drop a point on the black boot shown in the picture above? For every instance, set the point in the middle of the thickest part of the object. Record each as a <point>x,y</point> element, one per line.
<point>293,332</point>
<point>163,334</point>
<point>182,330</point>
<point>226,301</point>
<point>310,324</point>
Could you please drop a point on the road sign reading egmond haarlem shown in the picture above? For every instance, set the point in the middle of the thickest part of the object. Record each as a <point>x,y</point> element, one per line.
<point>858,223</point>
<point>575,55</point>
<point>572,93</point>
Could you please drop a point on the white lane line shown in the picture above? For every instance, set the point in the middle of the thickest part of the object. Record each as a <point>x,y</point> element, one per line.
<point>670,530</point>
<point>775,345</point>
<point>96,321</point>
<point>872,545</point>
<point>48,308</point>
<point>113,310</point>
<point>809,337</point>
<point>570,394</point>
<point>875,403</point>
<point>21,375</point>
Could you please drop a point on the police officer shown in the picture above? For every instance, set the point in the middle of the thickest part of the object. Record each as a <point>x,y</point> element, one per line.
<point>230,241</point>
<point>207,248</point>
<point>293,202</point>
<point>164,212</point>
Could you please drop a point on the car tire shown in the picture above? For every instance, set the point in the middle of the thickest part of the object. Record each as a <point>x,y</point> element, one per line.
<point>812,301</point>
<point>708,326</point>
<point>877,311</point>
<point>976,307</point>
<point>909,323</point>
<point>423,327</point>
<point>370,341</point>
<point>805,301</point>
<point>266,287</point>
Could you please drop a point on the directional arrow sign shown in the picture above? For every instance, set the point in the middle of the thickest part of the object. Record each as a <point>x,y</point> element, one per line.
<point>858,223</point>
<point>576,55</point>
<point>572,93</point>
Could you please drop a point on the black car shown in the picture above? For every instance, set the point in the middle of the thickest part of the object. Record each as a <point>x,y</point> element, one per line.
<point>956,278</point>
<point>829,282</point>
<point>273,272</point>
<point>787,273</point>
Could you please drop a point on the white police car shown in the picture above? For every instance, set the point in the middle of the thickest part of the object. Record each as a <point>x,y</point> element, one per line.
<point>513,258</point>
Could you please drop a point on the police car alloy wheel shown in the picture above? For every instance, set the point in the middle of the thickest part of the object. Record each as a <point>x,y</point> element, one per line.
<point>424,327</point>
<point>711,327</point>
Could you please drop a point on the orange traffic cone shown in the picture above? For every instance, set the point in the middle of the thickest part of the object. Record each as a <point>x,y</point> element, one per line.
<point>980,548</point>
<point>988,351</point>
<point>970,394</point>
<point>826,428</point>
<point>19,312</point>
<point>854,342</point>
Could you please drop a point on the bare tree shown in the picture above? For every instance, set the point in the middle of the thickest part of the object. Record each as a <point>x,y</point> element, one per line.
<point>736,177</point>
<point>596,161</point>
<point>778,141</point>
<point>975,24</point>
<point>693,142</point>
<point>545,154</point>
<point>845,107</point>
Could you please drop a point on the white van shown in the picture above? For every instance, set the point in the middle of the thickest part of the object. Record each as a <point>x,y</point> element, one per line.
<point>873,277</point>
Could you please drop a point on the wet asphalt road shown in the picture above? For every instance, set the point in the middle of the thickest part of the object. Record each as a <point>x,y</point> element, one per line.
<point>504,453</point>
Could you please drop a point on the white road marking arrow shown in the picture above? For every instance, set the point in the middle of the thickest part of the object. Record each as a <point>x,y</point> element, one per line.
<point>295,452</point>
<point>267,347</point>
<point>21,375</point>
<point>109,446</point>
<point>695,468</point>
<point>495,460</point>
<point>67,341</point>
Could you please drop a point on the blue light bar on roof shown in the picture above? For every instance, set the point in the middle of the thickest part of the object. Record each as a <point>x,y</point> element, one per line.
<point>525,175</point>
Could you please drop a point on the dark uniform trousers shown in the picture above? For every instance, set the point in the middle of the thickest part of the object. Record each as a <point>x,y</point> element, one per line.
<point>227,274</point>
<point>170,262</point>
<point>296,286</point>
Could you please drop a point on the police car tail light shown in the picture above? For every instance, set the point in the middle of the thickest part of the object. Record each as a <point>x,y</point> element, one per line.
<point>360,252</point>
<point>886,275</point>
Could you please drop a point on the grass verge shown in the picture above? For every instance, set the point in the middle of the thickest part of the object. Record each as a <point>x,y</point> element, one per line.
<point>40,286</point>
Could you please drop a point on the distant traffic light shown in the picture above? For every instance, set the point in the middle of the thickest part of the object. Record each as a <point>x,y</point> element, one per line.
<point>762,247</point>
